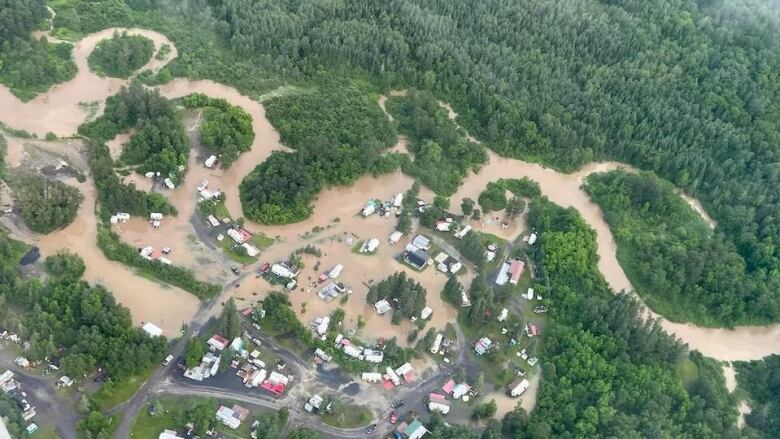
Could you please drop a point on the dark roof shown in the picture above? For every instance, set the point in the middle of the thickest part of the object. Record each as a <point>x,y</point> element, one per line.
<point>33,255</point>
<point>417,258</point>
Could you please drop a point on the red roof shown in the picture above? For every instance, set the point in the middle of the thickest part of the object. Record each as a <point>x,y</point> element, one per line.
<point>245,235</point>
<point>276,389</point>
<point>246,311</point>
<point>437,398</point>
<point>533,329</point>
<point>448,387</point>
<point>516,268</point>
<point>387,384</point>
<point>219,339</point>
<point>409,377</point>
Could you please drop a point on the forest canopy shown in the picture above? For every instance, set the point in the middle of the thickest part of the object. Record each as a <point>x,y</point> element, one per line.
<point>338,133</point>
<point>46,205</point>
<point>226,130</point>
<point>761,380</point>
<point>682,269</point>
<point>407,294</point>
<point>121,55</point>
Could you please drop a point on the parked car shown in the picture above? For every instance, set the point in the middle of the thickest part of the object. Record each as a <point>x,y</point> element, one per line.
<point>370,429</point>
<point>167,360</point>
<point>398,403</point>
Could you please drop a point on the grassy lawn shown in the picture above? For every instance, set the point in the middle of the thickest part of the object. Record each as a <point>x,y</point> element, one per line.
<point>147,426</point>
<point>227,247</point>
<point>261,241</point>
<point>358,245</point>
<point>344,415</point>
<point>110,395</point>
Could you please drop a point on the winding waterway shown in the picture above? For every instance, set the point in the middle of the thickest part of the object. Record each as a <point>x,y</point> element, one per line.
<point>58,111</point>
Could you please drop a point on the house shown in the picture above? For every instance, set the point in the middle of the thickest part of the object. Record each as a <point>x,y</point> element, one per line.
<point>421,242</point>
<point>415,430</point>
<point>213,220</point>
<point>444,225</point>
<point>463,231</point>
<point>239,235</point>
<point>331,291</point>
<point>237,344</point>
<point>282,270</point>
<point>438,403</point>
<point>395,237</point>
<point>152,329</point>
<point>352,350</point>
<point>371,377</point>
<point>406,371</point>
<point>503,274</point>
<point>460,390</point>
<point>373,356</point>
<point>155,216</point>
<point>518,387</point>
<point>398,199</point>
<point>436,343</point>
<point>369,209</point>
<point>22,362</point>
<point>251,250</point>
<point>122,216</point>
<point>217,342</point>
<point>336,271</point>
<point>417,258</point>
<point>448,387</point>
<point>464,298</point>
<point>392,376</point>
<point>370,246</point>
<point>532,239</point>
<point>314,403</point>
<point>321,324</point>
<point>228,417</point>
<point>483,345</point>
<point>530,294</point>
<point>169,434</point>
<point>211,161</point>
<point>64,381</point>
<point>382,307</point>
<point>489,255</point>
<point>503,316</point>
<point>531,330</point>
<point>426,312</point>
<point>516,270</point>
<point>319,353</point>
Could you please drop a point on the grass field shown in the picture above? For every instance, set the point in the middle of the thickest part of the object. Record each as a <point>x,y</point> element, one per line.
<point>110,395</point>
<point>344,415</point>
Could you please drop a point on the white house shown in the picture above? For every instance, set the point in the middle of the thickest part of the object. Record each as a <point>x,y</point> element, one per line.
<point>336,271</point>
<point>392,376</point>
<point>398,199</point>
<point>421,242</point>
<point>532,239</point>
<point>437,343</point>
<point>283,270</point>
<point>426,312</point>
<point>169,434</point>
<point>211,161</point>
<point>373,356</point>
<point>370,246</point>
<point>518,387</point>
<point>371,377</point>
<point>382,307</point>
<point>152,329</point>
<point>395,237</point>
<point>463,231</point>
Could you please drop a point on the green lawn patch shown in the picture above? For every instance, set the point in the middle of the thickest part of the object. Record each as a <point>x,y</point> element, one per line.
<point>261,241</point>
<point>110,395</point>
<point>235,255</point>
<point>346,415</point>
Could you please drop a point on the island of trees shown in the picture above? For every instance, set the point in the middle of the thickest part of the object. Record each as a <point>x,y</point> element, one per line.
<point>227,129</point>
<point>121,55</point>
<point>45,205</point>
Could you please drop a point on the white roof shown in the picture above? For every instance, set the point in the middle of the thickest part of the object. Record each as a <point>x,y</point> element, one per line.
<point>443,408</point>
<point>421,242</point>
<point>166,434</point>
<point>152,329</point>
<point>382,306</point>
<point>372,244</point>
<point>426,312</point>
<point>336,271</point>
<point>404,369</point>
<point>396,236</point>
<point>251,250</point>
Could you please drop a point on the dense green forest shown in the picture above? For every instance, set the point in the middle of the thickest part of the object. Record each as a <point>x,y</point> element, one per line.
<point>46,205</point>
<point>338,133</point>
<point>761,380</point>
<point>226,130</point>
<point>606,372</point>
<point>12,416</point>
<point>29,66</point>
<point>121,55</point>
<point>159,143</point>
<point>406,294</point>
<point>66,312</point>
<point>442,153</point>
<point>681,268</point>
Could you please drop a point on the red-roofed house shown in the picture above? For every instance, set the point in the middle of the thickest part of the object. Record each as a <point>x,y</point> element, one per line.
<point>276,389</point>
<point>516,270</point>
<point>217,342</point>
<point>448,386</point>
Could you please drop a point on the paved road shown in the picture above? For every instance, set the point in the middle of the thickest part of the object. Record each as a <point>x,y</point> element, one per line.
<point>207,311</point>
<point>42,395</point>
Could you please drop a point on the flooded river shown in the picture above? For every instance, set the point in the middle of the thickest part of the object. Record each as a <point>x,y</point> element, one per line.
<point>58,111</point>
